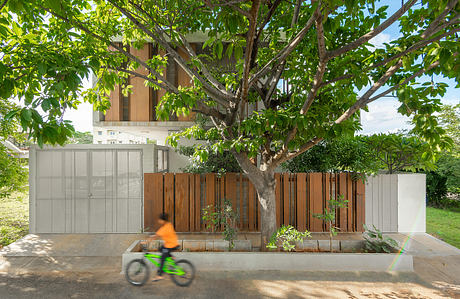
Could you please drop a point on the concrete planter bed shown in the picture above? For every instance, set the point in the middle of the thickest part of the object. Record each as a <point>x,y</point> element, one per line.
<point>306,260</point>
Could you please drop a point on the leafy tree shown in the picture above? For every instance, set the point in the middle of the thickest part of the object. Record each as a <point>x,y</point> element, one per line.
<point>13,174</point>
<point>214,162</point>
<point>319,48</point>
<point>342,154</point>
<point>81,138</point>
<point>398,152</point>
<point>448,165</point>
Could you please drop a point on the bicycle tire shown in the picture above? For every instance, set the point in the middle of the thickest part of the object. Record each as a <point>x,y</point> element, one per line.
<point>142,267</point>
<point>187,279</point>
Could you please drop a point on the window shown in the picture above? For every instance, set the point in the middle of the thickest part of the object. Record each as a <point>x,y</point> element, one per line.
<point>120,141</point>
<point>99,133</point>
<point>99,142</point>
<point>111,133</point>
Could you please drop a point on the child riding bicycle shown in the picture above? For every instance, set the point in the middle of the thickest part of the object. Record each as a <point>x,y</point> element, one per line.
<point>167,233</point>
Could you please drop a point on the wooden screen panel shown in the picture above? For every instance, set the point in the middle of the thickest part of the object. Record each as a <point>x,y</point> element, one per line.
<point>343,195</point>
<point>301,201</point>
<point>181,204</point>
<point>241,200</point>
<point>315,201</point>
<point>278,198</point>
<point>169,196</point>
<point>360,205</point>
<point>140,98</point>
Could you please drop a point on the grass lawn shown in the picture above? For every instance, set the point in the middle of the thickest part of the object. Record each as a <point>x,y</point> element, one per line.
<point>444,224</point>
<point>14,218</point>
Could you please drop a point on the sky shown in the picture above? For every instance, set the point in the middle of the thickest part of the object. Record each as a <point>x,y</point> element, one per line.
<point>381,118</point>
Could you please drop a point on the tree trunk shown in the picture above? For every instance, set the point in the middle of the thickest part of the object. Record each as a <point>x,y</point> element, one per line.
<point>266,193</point>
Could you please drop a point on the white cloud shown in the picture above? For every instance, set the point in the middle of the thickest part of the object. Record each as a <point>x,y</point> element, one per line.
<point>383,117</point>
<point>379,40</point>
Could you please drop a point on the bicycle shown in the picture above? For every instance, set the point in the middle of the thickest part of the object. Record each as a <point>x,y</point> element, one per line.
<point>137,271</point>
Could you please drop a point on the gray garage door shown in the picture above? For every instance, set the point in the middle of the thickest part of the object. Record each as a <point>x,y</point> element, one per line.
<point>88,191</point>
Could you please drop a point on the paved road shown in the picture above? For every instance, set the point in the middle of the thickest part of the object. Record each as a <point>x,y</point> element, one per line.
<point>268,284</point>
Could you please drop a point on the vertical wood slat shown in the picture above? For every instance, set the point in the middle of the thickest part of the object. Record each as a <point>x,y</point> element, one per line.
<point>350,203</point>
<point>191,219</point>
<point>316,201</point>
<point>343,211</point>
<point>230,187</point>
<point>360,205</point>
<point>149,193</point>
<point>327,194</point>
<point>210,189</point>
<point>301,201</point>
<point>197,178</point>
<point>181,204</point>
<point>278,198</point>
<point>169,196</point>
<point>240,198</point>
<point>251,204</point>
<point>286,199</point>
<point>210,179</point>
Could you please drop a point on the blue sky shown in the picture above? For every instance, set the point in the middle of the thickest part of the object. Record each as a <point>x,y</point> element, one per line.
<point>382,116</point>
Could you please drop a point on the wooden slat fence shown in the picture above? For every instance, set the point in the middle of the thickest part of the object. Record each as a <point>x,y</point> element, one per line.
<point>298,197</point>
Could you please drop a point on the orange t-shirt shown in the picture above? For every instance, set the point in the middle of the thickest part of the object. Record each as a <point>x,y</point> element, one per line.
<point>167,233</point>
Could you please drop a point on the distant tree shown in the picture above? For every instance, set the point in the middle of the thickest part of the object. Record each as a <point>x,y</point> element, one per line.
<point>81,138</point>
<point>398,152</point>
<point>13,173</point>
<point>342,154</point>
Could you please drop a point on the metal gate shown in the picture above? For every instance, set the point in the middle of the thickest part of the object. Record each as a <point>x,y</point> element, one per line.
<point>87,191</point>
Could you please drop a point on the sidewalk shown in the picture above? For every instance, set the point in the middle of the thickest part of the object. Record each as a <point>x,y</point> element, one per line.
<point>99,256</point>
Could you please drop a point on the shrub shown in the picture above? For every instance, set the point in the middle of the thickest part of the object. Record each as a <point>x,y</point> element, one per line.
<point>214,162</point>
<point>223,216</point>
<point>286,236</point>
<point>328,216</point>
<point>376,242</point>
<point>344,154</point>
<point>399,152</point>
<point>436,188</point>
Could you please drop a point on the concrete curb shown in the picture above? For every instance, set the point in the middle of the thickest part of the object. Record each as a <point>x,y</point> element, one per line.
<point>257,261</point>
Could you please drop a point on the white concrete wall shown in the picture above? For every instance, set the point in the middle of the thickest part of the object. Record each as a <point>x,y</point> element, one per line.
<point>396,202</point>
<point>412,203</point>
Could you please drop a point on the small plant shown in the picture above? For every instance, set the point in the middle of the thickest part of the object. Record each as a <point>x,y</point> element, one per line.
<point>329,216</point>
<point>286,236</point>
<point>376,242</point>
<point>223,216</point>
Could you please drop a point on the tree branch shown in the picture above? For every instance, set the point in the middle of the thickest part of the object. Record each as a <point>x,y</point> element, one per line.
<point>366,37</point>
<point>284,53</point>
<point>3,4</point>
<point>213,92</point>
<point>248,54</point>
<point>360,103</point>
<point>411,49</point>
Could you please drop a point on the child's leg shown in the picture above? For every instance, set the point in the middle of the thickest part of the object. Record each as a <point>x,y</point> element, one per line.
<point>164,255</point>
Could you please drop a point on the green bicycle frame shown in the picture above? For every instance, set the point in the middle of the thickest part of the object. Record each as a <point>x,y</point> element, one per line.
<point>174,269</point>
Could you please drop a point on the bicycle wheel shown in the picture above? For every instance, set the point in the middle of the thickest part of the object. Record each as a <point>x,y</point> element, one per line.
<point>137,272</point>
<point>184,273</point>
